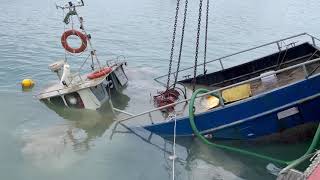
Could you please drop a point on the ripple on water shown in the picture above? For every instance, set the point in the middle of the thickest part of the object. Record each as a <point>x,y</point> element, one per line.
<point>52,147</point>
<point>140,30</point>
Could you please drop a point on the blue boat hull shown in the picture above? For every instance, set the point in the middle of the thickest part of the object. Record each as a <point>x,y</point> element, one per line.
<point>261,115</point>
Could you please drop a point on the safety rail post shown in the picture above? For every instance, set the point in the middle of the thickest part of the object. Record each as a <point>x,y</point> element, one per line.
<point>221,64</point>
<point>306,74</point>
<point>313,41</point>
<point>279,47</point>
<point>150,117</point>
<point>220,98</point>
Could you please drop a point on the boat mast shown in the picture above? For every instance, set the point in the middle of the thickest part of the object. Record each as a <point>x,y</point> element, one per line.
<point>72,11</point>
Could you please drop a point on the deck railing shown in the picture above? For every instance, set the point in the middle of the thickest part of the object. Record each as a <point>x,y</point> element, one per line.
<point>219,91</point>
<point>278,44</point>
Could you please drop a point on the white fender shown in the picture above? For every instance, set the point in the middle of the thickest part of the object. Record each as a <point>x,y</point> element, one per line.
<point>66,73</point>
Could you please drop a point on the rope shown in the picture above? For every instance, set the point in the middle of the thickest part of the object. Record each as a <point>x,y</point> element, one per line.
<point>173,157</point>
<point>89,41</point>
<point>173,42</point>
<point>311,148</point>
<point>64,30</point>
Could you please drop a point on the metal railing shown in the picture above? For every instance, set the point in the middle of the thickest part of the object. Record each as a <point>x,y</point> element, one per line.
<point>221,60</point>
<point>219,91</point>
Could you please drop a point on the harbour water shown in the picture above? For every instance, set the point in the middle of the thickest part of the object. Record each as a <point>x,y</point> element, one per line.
<point>41,143</point>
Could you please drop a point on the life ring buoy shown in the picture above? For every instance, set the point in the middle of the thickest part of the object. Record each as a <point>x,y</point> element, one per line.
<point>65,44</point>
<point>99,73</point>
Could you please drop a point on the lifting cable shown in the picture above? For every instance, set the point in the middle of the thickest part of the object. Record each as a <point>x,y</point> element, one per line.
<point>173,43</point>
<point>197,47</point>
<point>181,42</point>
<point>206,41</point>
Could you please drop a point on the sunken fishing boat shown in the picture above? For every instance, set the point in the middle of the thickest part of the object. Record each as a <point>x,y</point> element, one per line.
<point>78,88</point>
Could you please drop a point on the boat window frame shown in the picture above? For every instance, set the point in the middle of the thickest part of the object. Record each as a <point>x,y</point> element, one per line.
<point>101,87</point>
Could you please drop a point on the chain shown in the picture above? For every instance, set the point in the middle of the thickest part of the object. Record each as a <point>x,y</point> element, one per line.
<point>173,42</point>
<point>181,41</point>
<point>197,46</point>
<point>206,40</point>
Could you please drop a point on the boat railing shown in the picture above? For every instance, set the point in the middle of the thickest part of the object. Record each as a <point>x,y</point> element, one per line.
<point>280,45</point>
<point>218,92</point>
<point>117,60</point>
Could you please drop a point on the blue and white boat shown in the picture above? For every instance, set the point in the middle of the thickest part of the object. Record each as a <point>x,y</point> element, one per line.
<point>262,97</point>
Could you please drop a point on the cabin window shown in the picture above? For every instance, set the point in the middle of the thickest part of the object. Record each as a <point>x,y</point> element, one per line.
<point>57,100</point>
<point>121,76</point>
<point>99,92</point>
<point>74,100</point>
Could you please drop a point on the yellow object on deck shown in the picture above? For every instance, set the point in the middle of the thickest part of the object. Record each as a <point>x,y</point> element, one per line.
<point>212,102</point>
<point>237,93</point>
<point>27,83</point>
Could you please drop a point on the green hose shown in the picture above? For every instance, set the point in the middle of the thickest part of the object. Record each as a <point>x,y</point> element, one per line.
<point>238,150</point>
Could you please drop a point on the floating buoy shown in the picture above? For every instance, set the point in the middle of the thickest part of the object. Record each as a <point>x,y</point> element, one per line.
<point>27,83</point>
<point>99,73</point>
<point>73,32</point>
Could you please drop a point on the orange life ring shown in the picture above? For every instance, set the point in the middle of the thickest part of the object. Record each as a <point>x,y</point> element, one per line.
<point>99,73</point>
<point>65,44</point>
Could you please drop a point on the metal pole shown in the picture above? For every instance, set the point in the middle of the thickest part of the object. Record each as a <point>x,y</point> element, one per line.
<point>221,64</point>
<point>306,74</point>
<point>279,47</point>
<point>220,98</point>
<point>313,41</point>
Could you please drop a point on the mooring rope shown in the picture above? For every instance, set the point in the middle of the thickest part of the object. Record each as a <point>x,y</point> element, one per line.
<point>173,156</point>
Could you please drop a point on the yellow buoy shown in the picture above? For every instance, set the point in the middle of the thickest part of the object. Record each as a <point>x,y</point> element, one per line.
<point>27,83</point>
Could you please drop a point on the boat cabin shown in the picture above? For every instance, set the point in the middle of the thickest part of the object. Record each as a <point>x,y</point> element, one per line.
<point>77,91</point>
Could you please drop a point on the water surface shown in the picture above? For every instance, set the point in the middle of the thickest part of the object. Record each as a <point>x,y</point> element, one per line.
<point>42,143</point>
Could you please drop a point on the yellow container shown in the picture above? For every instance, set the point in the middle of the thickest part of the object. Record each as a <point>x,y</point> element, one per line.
<point>237,93</point>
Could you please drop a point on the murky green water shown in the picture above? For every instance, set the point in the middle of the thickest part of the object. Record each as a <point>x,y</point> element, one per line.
<point>40,143</point>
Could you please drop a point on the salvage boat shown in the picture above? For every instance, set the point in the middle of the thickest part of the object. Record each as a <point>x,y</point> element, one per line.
<point>258,98</point>
<point>83,90</point>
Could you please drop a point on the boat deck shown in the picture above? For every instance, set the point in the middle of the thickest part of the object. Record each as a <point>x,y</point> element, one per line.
<point>77,82</point>
<point>283,79</point>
